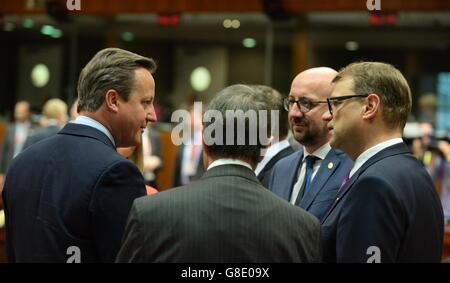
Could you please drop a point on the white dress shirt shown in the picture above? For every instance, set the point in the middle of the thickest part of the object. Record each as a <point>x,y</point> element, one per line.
<point>320,153</point>
<point>366,155</point>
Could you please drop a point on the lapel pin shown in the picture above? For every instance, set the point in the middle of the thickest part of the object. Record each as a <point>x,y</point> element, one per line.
<point>330,165</point>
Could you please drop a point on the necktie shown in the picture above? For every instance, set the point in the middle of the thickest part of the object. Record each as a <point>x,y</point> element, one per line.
<point>347,177</point>
<point>310,160</point>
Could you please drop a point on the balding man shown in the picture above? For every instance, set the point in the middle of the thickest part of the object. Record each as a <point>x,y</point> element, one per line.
<point>310,178</point>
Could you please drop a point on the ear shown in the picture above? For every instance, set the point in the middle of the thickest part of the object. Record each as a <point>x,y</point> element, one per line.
<point>206,157</point>
<point>372,106</point>
<point>204,147</point>
<point>112,100</point>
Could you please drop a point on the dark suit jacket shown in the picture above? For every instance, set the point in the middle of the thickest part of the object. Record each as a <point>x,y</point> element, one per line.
<point>266,173</point>
<point>72,189</point>
<point>178,167</point>
<point>41,134</point>
<point>324,186</point>
<point>389,203</point>
<point>226,216</point>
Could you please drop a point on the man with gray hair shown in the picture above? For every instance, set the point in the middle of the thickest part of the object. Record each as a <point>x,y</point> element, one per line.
<point>67,198</point>
<point>227,215</point>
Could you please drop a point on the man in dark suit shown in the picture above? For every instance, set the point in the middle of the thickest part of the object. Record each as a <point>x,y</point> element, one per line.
<point>15,137</point>
<point>189,160</point>
<point>67,198</point>
<point>280,146</point>
<point>310,178</point>
<point>219,217</point>
<point>387,209</point>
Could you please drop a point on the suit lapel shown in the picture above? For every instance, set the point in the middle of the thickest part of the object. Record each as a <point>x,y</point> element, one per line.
<point>395,149</point>
<point>321,178</point>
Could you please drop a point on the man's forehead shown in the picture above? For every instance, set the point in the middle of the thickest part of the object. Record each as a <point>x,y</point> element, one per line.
<point>343,85</point>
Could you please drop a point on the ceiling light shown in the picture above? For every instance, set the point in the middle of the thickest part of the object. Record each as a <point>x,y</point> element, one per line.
<point>200,79</point>
<point>47,29</point>
<point>352,45</point>
<point>127,36</point>
<point>235,24</point>
<point>227,23</point>
<point>249,42</point>
<point>57,33</point>
<point>28,23</point>
<point>40,75</point>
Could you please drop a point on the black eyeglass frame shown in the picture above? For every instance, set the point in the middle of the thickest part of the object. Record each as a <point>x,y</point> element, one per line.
<point>330,100</point>
<point>288,100</point>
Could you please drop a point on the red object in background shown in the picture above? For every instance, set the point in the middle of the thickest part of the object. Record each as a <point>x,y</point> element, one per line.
<point>382,19</point>
<point>169,19</point>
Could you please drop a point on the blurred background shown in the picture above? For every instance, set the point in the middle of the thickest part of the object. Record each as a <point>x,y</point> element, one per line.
<point>201,46</point>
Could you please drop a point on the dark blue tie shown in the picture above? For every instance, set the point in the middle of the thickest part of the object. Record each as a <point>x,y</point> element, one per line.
<point>310,160</point>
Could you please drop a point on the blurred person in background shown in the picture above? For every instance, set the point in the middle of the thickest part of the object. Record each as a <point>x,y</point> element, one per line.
<point>188,164</point>
<point>15,137</point>
<point>55,117</point>
<point>152,155</point>
<point>136,155</point>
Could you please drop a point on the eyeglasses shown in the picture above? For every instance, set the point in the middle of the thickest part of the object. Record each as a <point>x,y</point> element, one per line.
<point>333,102</point>
<point>303,104</point>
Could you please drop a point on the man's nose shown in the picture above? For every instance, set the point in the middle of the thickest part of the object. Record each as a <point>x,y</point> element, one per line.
<point>327,116</point>
<point>295,111</point>
<point>151,115</point>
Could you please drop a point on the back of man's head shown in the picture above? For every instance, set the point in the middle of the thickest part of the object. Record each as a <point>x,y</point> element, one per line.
<point>56,109</point>
<point>237,124</point>
<point>388,83</point>
<point>275,102</point>
<point>110,68</point>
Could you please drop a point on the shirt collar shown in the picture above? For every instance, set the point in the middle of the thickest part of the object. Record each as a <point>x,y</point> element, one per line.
<point>87,121</point>
<point>366,155</point>
<point>229,161</point>
<point>321,152</point>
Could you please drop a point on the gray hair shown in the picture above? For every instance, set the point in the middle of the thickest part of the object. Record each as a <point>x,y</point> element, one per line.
<point>110,68</point>
<point>238,97</point>
<point>275,100</point>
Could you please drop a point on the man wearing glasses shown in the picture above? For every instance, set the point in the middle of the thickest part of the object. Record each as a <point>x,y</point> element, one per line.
<point>387,209</point>
<point>310,178</point>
